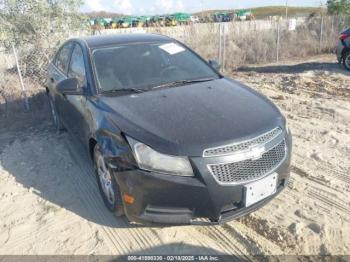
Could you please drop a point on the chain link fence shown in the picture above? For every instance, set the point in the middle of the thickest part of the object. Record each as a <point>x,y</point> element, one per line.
<point>23,68</point>
<point>23,71</point>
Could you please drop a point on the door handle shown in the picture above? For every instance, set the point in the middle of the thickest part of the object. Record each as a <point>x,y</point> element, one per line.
<point>52,80</point>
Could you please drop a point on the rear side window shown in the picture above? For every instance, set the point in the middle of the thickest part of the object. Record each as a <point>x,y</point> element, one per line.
<point>77,66</point>
<point>62,58</point>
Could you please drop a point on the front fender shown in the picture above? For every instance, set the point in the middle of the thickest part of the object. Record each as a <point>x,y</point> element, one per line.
<point>116,150</point>
<point>111,144</point>
<point>110,139</point>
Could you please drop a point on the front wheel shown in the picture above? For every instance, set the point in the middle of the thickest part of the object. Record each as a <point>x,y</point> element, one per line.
<point>107,184</point>
<point>346,61</point>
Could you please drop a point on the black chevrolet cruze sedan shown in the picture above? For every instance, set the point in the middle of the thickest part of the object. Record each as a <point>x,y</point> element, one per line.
<point>172,140</point>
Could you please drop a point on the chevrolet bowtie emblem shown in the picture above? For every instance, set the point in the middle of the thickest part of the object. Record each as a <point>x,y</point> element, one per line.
<point>257,152</point>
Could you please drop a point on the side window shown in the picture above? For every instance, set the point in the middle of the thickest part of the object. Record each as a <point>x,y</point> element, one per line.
<point>77,66</point>
<point>62,58</point>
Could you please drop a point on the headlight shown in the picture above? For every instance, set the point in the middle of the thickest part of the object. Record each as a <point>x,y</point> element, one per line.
<point>151,160</point>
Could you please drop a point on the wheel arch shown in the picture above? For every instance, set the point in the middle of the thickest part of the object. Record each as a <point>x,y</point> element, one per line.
<point>110,143</point>
<point>114,147</point>
<point>345,51</point>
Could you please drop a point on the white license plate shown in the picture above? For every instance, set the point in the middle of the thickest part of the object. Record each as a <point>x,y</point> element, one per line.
<point>258,190</point>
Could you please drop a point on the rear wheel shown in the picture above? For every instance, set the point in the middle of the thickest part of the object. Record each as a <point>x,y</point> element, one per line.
<point>54,115</point>
<point>346,61</point>
<point>107,184</point>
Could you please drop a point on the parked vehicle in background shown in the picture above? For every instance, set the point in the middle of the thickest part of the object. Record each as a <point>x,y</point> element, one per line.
<point>136,22</point>
<point>158,20</point>
<point>220,17</point>
<point>194,19</point>
<point>170,21</point>
<point>145,20</point>
<point>173,141</point>
<point>343,49</point>
<point>182,18</point>
<point>244,15</point>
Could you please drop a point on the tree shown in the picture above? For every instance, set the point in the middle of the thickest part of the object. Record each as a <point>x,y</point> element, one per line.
<point>36,28</point>
<point>338,7</point>
<point>35,20</point>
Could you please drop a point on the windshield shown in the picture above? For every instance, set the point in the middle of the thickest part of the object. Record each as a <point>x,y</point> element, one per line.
<point>147,65</point>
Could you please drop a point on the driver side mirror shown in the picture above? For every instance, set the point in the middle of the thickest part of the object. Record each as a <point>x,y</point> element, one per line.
<point>214,64</point>
<point>69,86</point>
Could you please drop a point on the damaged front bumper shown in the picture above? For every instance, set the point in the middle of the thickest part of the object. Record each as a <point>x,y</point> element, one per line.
<point>171,200</point>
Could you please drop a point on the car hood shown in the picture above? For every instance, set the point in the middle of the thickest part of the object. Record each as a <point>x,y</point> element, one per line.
<point>187,119</point>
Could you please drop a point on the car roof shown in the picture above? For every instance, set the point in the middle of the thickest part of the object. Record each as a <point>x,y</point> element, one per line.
<point>115,39</point>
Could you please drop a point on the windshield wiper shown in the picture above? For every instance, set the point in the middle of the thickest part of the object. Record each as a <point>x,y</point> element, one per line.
<point>183,82</point>
<point>135,90</point>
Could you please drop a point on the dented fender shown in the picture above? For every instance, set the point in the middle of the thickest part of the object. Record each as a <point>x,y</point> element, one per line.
<point>115,147</point>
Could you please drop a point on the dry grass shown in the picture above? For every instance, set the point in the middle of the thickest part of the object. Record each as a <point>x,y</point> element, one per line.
<point>254,45</point>
<point>12,97</point>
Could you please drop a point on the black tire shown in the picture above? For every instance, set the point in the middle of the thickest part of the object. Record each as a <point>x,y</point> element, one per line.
<point>113,203</point>
<point>346,61</point>
<point>54,115</point>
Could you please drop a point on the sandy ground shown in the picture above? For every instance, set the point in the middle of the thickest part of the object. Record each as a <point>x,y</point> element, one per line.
<point>50,204</point>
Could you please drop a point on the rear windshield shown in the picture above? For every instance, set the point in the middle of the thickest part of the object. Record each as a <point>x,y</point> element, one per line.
<point>147,65</point>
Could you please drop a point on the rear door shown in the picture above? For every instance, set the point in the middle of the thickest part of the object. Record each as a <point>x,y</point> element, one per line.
<point>75,105</point>
<point>58,72</point>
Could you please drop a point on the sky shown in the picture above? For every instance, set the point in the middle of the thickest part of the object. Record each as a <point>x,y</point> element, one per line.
<point>139,7</point>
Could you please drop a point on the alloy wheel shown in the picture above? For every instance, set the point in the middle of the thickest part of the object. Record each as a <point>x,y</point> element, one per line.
<point>347,61</point>
<point>105,179</point>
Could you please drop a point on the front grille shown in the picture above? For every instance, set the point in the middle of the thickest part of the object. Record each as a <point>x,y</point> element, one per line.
<point>241,146</point>
<point>248,170</point>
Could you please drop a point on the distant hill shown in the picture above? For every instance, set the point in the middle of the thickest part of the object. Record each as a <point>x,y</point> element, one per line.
<point>101,14</point>
<point>266,11</point>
